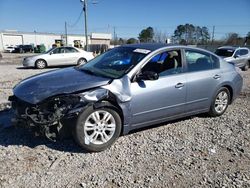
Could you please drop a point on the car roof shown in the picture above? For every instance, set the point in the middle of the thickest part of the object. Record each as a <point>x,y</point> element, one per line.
<point>231,47</point>
<point>148,46</point>
<point>155,46</point>
<point>66,47</point>
<point>228,48</point>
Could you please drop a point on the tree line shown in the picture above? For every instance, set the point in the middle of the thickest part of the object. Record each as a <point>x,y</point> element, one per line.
<point>187,34</point>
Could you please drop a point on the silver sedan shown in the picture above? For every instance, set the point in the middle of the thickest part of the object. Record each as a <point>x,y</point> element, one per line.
<point>126,88</point>
<point>57,57</point>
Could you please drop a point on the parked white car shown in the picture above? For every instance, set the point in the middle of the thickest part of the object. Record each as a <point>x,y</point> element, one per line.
<point>57,57</point>
<point>239,56</point>
<point>10,49</point>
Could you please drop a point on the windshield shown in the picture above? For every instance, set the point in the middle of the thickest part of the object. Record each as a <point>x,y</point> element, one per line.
<point>224,52</point>
<point>114,63</point>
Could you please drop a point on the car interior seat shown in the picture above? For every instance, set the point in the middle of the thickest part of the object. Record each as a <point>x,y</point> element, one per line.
<point>202,62</point>
<point>171,62</point>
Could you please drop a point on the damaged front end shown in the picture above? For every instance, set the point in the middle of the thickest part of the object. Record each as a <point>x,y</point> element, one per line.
<point>47,117</point>
<point>55,116</point>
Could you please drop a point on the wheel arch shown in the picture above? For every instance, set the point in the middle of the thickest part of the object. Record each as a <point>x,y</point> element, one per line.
<point>83,59</point>
<point>230,89</point>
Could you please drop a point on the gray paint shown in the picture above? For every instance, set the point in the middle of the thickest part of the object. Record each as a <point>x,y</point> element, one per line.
<point>64,81</point>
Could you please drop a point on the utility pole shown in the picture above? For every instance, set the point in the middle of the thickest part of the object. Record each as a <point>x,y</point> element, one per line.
<point>213,36</point>
<point>66,34</point>
<point>85,20</point>
<point>35,38</point>
<point>114,37</point>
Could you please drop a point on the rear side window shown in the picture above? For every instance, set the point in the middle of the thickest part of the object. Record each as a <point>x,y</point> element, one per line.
<point>200,61</point>
<point>224,52</point>
<point>243,52</point>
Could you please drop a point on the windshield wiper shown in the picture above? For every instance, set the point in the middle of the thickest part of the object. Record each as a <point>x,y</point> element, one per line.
<point>88,71</point>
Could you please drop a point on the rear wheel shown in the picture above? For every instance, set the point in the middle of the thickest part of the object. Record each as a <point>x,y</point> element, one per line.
<point>97,129</point>
<point>40,64</point>
<point>81,61</point>
<point>220,102</point>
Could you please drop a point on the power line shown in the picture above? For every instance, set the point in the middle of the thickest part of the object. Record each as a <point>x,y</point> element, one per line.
<point>77,20</point>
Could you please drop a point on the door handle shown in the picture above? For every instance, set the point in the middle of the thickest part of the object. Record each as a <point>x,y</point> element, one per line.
<point>179,85</point>
<point>217,76</point>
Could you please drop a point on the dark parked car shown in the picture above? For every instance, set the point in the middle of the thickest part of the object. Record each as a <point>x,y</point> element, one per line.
<point>239,56</point>
<point>126,88</point>
<point>23,49</point>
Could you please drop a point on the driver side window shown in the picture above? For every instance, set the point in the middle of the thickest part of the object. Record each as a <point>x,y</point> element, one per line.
<point>237,53</point>
<point>165,63</point>
<point>58,51</point>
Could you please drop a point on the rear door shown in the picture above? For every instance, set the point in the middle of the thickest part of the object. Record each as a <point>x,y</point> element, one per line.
<point>71,55</point>
<point>203,77</point>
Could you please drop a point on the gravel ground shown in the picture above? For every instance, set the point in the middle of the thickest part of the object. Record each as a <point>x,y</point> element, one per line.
<point>12,72</point>
<point>191,152</point>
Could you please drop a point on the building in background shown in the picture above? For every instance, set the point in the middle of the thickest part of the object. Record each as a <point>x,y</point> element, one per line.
<point>14,38</point>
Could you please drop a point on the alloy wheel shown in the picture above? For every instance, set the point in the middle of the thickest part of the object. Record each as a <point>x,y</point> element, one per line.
<point>81,61</point>
<point>99,127</point>
<point>221,102</point>
<point>40,64</point>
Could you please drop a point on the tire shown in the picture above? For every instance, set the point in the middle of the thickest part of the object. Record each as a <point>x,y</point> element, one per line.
<point>40,64</point>
<point>220,102</point>
<point>81,61</point>
<point>245,68</point>
<point>93,133</point>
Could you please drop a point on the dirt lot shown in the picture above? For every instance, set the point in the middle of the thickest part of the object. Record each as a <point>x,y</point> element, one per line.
<point>192,152</point>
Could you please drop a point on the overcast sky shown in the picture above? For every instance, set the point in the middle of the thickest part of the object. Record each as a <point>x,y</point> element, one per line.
<point>129,17</point>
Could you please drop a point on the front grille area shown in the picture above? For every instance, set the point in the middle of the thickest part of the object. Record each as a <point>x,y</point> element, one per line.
<point>19,106</point>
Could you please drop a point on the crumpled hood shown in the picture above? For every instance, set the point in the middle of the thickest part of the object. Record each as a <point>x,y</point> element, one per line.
<point>64,81</point>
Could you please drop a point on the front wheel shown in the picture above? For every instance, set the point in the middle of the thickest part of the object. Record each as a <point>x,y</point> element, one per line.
<point>220,102</point>
<point>40,64</point>
<point>81,61</point>
<point>97,129</point>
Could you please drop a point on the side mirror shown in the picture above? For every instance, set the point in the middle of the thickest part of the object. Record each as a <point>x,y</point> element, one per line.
<point>236,56</point>
<point>147,75</point>
<point>51,53</point>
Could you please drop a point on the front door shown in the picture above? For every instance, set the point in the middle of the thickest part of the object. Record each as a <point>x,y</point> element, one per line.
<point>56,57</point>
<point>157,100</point>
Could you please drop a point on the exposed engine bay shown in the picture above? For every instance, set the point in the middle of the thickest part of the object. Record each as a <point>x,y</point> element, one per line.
<point>53,116</point>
